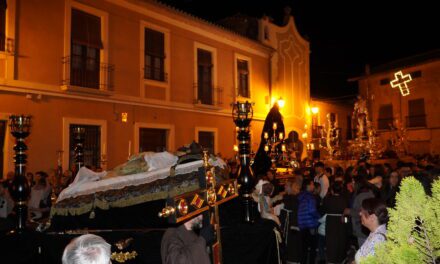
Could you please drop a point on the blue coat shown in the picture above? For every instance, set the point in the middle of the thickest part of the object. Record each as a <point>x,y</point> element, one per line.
<point>308,215</point>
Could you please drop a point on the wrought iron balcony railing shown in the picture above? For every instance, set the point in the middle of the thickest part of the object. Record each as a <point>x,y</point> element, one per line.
<point>87,73</point>
<point>155,74</point>
<point>385,123</point>
<point>208,95</point>
<point>7,45</point>
<point>416,121</point>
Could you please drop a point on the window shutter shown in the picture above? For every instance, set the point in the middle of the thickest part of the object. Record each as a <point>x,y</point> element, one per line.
<point>154,43</point>
<point>204,58</point>
<point>242,66</point>
<point>86,29</point>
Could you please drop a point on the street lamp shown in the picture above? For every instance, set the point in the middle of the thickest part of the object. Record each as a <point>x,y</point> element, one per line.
<point>242,114</point>
<point>19,188</point>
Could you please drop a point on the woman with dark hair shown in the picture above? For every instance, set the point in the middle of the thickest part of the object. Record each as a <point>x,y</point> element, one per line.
<point>374,216</point>
<point>362,191</point>
<point>390,190</point>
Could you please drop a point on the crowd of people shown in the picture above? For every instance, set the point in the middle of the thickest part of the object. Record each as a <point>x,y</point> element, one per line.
<point>41,186</point>
<point>332,215</point>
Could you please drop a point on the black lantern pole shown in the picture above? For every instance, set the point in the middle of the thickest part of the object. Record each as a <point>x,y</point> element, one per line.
<point>20,128</point>
<point>78,137</point>
<point>242,114</point>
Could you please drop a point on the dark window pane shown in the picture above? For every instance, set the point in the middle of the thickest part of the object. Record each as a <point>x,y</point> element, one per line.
<point>152,139</point>
<point>2,25</point>
<point>206,140</point>
<point>243,78</point>
<point>86,29</point>
<point>154,55</point>
<point>416,113</point>
<point>204,77</point>
<point>385,81</point>
<point>85,49</point>
<point>2,144</point>
<point>385,120</point>
<point>416,74</point>
<point>92,145</point>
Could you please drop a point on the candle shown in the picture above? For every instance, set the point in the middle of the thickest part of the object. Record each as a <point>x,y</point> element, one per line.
<point>283,148</point>
<point>129,148</point>
<point>104,148</point>
<point>274,126</point>
<point>235,148</point>
<point>281,135</point>
<point>266,135</point>
<point>266,148</point>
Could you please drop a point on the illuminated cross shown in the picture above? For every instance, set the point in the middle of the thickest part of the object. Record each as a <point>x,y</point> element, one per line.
<point>401,82</point>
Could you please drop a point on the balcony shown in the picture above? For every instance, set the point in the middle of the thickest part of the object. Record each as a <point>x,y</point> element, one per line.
<point>87,73</point>
<point>208,96</point>
<point>416,121</point>
<point>155,74</point>
<point>7,45</point>
<point>385,123</point>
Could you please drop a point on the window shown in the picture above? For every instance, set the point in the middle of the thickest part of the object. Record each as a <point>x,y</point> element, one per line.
<point>207,138</point>
<point>243,78</point>
<point>2,145</point>
<point>207,141</point>
<point>385,120</point>
<point>385,81</point>
<point>416,74</point>
<point>152,139</point>
<point>92,145</point>
<point>86,46</point>
<point>3,25</point>
<point>416,113</point>
<point>204,77</point>
<point>154,55</point>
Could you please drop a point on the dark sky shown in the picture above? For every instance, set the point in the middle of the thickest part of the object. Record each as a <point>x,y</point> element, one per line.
<point>343,35</point>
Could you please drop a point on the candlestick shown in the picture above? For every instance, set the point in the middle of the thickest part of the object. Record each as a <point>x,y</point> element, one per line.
<point>274,126</point>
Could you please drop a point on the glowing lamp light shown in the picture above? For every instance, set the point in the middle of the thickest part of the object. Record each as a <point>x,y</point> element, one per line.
<point>401,81</point>
<point>304,135</point>
<point>283,148</point>
<point>235,148</point>
<point>124,117</point>
<point>315,110</point>
<point>281,102</point>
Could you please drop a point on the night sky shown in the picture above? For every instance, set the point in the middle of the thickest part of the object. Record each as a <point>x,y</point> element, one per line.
<point>344,35</point>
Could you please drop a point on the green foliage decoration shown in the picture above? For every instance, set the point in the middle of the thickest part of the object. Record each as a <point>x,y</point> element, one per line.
<point>413,232</point>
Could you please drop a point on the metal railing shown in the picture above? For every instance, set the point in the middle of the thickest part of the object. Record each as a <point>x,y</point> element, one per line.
<point>385,123</point>
<point>416,121</point>
<point>212,96</point>
<point>7,45</point>
<point>86,72</point>
<point>155,74</point>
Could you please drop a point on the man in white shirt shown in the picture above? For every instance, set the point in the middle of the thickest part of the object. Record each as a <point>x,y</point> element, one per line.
<point>321,178</point>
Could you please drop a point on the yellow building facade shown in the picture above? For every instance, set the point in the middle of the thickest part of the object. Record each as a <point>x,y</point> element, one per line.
<point>138,74</point>
<point>413,101</point>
